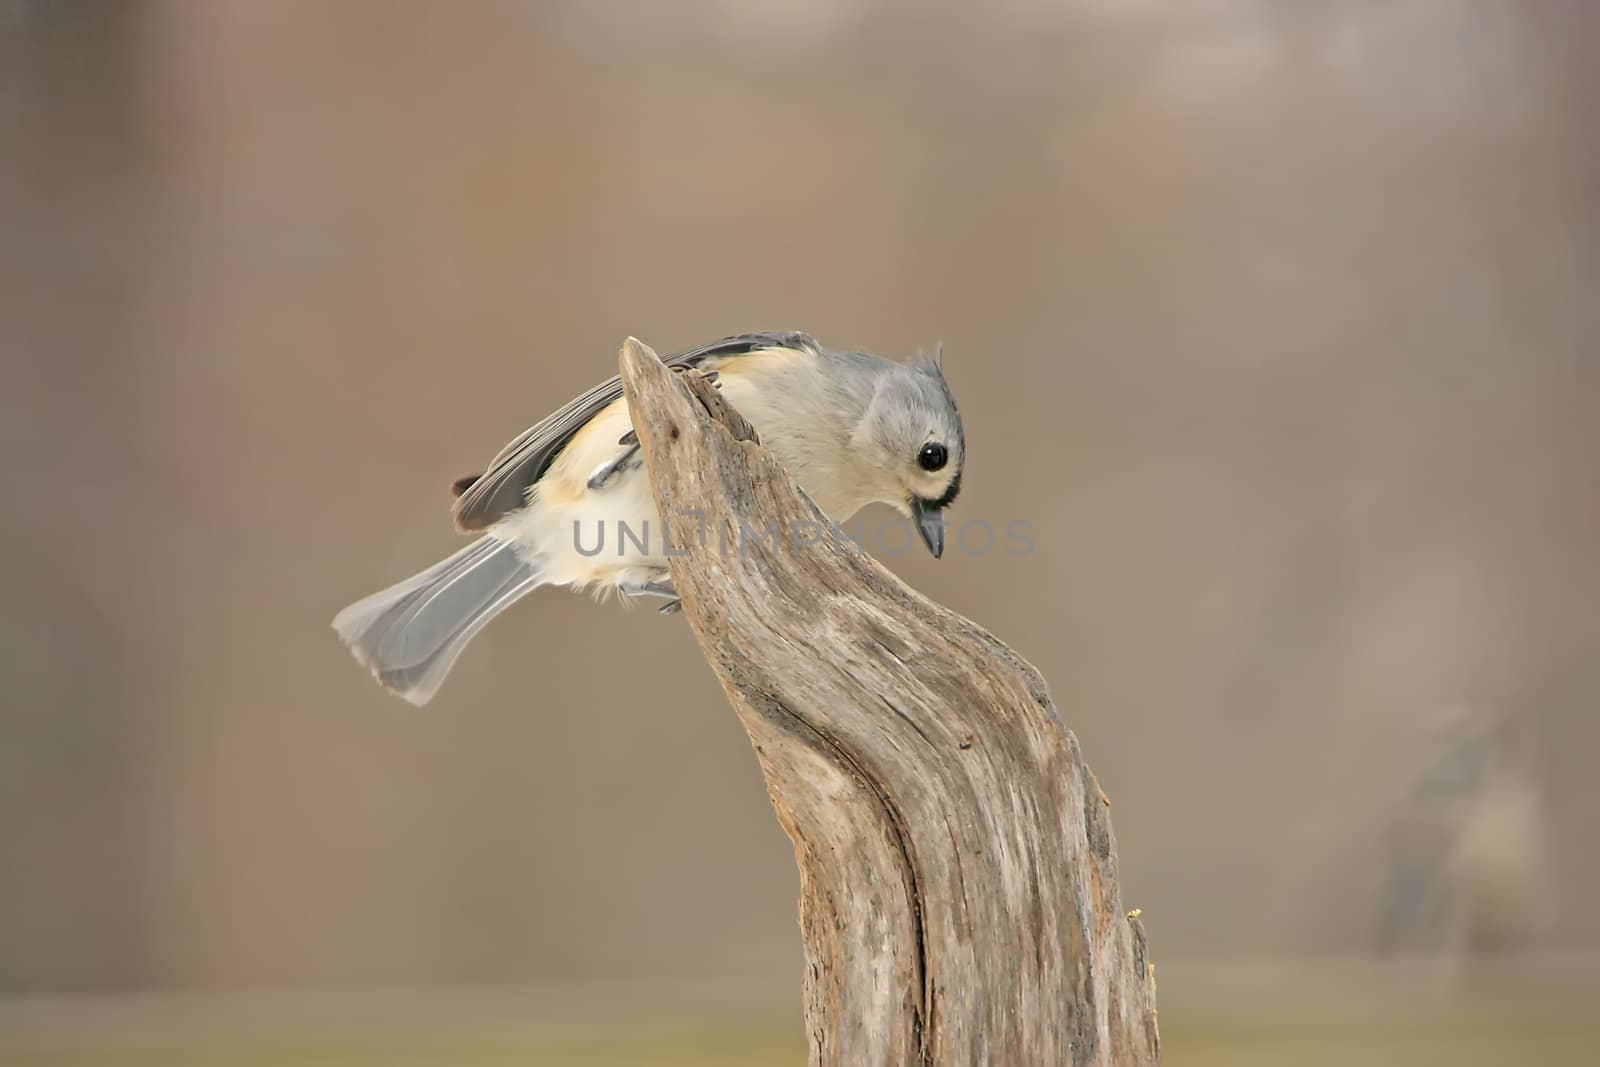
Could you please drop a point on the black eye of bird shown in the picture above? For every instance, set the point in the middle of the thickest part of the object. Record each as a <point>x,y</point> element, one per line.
<point>933,456</point>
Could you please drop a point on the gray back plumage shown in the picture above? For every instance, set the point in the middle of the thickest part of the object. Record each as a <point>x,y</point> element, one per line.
<point>503,486</point>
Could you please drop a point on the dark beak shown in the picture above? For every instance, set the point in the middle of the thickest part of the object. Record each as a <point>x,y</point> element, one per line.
<point>930,524</point>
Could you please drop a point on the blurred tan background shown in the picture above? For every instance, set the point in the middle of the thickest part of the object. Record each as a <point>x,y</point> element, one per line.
<point>1277,321</point>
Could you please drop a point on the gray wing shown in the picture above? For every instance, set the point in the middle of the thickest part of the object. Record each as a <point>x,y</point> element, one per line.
<point>503,487</point>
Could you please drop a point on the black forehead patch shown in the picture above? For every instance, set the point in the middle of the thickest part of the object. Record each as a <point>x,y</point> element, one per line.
<point>950,494</point>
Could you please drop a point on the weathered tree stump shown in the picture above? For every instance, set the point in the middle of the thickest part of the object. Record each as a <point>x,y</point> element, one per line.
<point>958,876</point>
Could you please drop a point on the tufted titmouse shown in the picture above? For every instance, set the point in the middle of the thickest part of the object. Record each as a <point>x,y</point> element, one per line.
<point>852,428</point>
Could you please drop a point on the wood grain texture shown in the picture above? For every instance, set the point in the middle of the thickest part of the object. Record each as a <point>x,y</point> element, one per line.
<point>959,900</point>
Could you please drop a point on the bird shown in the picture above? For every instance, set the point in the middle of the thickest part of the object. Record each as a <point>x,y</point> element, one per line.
<point>852,428</point>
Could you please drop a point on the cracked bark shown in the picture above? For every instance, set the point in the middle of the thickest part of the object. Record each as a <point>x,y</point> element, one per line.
<point>958,885</point>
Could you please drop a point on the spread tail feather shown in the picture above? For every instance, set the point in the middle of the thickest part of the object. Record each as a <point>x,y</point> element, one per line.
<point>410,634</point>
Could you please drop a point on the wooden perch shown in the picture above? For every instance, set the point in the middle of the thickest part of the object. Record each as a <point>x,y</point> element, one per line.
<point>958,876</point>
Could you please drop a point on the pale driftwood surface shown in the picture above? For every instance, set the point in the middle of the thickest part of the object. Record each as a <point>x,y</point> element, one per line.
<point>959,899</point>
